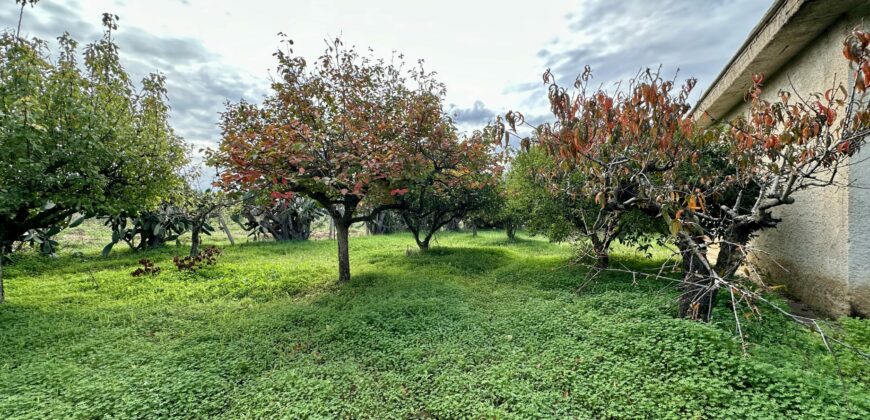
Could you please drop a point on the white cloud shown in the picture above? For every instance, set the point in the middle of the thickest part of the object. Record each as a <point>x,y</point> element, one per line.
<point>487,52</point>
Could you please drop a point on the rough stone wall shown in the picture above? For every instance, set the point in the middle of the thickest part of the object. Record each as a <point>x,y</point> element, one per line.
<point>815,250</point>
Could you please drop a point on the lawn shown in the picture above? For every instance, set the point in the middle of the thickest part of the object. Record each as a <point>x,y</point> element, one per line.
<point>477,327</point>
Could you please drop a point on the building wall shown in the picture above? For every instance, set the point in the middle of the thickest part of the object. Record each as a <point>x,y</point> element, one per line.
<point>821,249</point>
<point>859,234</point>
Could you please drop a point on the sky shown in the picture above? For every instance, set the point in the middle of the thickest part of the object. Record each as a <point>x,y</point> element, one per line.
<point>490,54</point>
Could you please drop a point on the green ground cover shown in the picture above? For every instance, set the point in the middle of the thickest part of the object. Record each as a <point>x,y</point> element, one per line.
<point>478,327</point>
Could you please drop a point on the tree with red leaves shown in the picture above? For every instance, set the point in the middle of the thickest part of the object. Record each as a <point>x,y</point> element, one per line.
<point>776,149</point>
<point>343,131</point>
<point>714,187</point>
<point>605,144</point>
<point>458,178</point>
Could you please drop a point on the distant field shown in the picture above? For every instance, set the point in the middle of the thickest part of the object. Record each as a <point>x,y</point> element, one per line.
<point>478,327</point>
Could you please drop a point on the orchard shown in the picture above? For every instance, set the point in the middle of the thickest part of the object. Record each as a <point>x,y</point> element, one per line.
<point>351,243</point>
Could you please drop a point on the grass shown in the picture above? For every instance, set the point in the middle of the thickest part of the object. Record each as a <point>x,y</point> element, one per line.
<point>478,327</point>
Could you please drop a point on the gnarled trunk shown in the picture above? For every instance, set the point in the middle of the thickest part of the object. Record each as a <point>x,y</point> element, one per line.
<point>423,244</point>
<point>730,256</point>
<point>602,260</point>
<point>419,226</point>
<point>151,241</point>
<point>699,289</point>
<point>601,250</point>
<point>341,234</point>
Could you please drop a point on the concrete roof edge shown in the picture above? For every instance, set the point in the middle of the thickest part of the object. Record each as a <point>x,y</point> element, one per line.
<point>768,15</point>
<point>756,51</point>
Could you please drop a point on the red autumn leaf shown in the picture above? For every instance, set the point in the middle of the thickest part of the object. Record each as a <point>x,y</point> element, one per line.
<point>847,51</point>
<point>757,79</point>
<point>844,148</point>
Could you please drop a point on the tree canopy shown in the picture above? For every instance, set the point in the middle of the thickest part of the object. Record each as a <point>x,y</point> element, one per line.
<point>348,131</point>
<point>79,137</point>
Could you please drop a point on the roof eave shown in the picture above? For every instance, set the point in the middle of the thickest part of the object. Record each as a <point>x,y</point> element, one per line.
<point>786,27</point>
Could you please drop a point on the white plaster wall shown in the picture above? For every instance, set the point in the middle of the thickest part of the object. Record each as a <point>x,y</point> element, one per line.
<point>859,233</point>
<point>821,249</point>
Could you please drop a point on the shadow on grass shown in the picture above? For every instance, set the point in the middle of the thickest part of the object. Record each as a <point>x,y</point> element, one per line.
<point>449,260</point>
<point>560,273</point>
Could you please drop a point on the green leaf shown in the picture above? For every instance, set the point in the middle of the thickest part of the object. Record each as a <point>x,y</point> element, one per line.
<point>77,222</point>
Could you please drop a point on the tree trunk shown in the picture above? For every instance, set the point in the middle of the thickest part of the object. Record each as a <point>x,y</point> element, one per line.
<point>729,259</point>
<point>474,230</point>
<point>602,260</point>
<point>424,244</point>
<point>226,229</point>
<point>602,254</point>
<point>697,299</point>
<point>151,241</point>
<point>2,256</point>
<point>194,241</point>
<point>299,228</point>
<point>511,231</point>
<point>698,290</point>
<point>376,225</point>
<point>341,233</point>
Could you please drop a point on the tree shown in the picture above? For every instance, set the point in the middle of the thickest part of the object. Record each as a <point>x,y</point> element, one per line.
<point>78,138</point>
<point>558,206</point>
<point>199,209</point>
<point>544,211</point>
<point>601,141</point>
<point>338,132</point>
<point>497,208</point>
<point>641,149</point>
<point>776,149</point>
<point>454,182</point>
<point>149,229</point>
<point>282,219</point>
<point>188,210</point>
<point>387,221</point>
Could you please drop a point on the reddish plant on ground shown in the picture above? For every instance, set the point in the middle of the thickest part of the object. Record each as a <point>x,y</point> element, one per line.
<point>207,256</point>
<point>147,268</point>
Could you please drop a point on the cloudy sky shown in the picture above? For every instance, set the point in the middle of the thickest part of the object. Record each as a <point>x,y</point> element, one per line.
<point>491,54</point>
